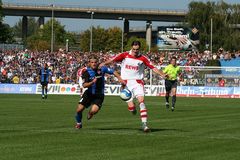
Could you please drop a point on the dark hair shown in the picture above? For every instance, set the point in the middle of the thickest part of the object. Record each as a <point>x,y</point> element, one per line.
<point>92,56</point>
<point>174,58</point>
<point>136,43</point>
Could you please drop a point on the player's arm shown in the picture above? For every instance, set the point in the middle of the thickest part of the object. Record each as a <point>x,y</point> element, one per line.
<point>117,58</point>
<point>105,63</point>
<point>148,63</point>
<point>116,74</point>
<point>86,80</point>
<point>159,72</point>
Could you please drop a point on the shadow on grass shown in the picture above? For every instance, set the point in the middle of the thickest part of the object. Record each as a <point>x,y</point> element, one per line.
<point>139,129</point>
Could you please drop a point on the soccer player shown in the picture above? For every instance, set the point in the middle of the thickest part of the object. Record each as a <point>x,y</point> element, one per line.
<point>93,80</point>
<point>80,71</point>
<point>44,79</point>
<point>172,71</point>
<point>132,71</point>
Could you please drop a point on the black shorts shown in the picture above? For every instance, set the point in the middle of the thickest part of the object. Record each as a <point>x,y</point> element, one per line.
<point>170,84</point>
<point>88,99</point>
<point>44,83</point>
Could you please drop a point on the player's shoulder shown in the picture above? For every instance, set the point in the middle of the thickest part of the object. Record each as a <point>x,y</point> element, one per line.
<point>145,57</point>
<point>123,54</point>
<point>85,71</point>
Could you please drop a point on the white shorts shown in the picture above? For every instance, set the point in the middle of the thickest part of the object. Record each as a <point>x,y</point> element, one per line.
<point>136,87</point>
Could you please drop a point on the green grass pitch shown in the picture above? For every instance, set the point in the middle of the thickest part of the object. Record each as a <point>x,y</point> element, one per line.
<point>199,129</point>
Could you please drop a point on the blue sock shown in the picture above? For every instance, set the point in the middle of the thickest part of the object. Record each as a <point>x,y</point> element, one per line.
<point>79,117</point>
<point>42,91</point>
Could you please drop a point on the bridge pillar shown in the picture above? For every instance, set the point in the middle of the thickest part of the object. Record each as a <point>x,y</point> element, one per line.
<point>41,22</point>
<point>149,34</point>
<point>126,26</point>
<point>24,27</point>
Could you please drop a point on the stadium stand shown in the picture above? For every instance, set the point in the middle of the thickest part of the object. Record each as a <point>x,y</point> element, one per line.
<point>25,64</point>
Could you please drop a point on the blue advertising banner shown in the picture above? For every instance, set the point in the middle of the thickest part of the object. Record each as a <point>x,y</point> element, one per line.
<point>196,91</point>
<point>18,88</point>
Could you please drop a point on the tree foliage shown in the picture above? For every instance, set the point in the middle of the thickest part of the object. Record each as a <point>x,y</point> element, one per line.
<point>41,40</point>
<point>108,40</point>
<point>1,15</point>
<point>103,39</point>
<point>6,35</point>
<point>223,16</point>
<point>32,27</point>
<point>143,42</point>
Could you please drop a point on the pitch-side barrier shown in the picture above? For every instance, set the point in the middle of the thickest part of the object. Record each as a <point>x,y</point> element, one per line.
<point>150,90</point>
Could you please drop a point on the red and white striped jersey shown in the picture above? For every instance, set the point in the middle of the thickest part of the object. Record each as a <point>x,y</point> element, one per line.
<point>132,67</point>
<point>80,71</point>
<point>79,75</point>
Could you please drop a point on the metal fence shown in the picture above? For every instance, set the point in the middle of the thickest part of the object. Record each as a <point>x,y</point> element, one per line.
<point>201,76</point>
<point>4,47</point>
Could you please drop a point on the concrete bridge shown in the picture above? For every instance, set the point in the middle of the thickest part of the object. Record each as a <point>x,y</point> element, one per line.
<point>126,14</point>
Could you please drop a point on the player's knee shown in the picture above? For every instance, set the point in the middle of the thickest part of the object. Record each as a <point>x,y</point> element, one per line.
<point>95,109</point>
<point>80,108</point>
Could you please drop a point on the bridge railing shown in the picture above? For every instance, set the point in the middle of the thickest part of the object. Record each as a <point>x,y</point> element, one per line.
<point>154,10</point>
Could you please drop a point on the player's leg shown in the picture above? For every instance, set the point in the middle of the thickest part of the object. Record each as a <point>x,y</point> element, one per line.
<point>167,94</point>
<point>174,98</point>
<point>94,110</point>
<point>139,92</point>
<point>42,90</point>
<point>80,109</point>
<point>130,102</point>
<point>97,104</point>
<point>143,113</point>
<point>46,90</point>
<point>131,106</point>
<point>84,102</point>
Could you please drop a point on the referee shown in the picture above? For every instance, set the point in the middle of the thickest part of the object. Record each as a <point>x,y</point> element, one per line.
<point>172,71</point>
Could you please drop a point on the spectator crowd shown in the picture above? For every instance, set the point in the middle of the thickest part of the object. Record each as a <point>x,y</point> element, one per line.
<point>23,66</point>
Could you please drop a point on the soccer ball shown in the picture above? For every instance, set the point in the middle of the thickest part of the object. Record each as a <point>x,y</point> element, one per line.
<point>125,94</point>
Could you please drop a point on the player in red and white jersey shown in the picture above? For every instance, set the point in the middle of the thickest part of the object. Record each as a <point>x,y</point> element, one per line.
<point>132,71</point>
<point>80,71</point>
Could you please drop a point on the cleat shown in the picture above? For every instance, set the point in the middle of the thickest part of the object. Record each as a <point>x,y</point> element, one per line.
<point>89,116</point>
<point>78,126</point>
<point>43,97</point>
<point>134,112</point>
<point>167,105</point>
<point>173,109</point>
<point>145,128</point>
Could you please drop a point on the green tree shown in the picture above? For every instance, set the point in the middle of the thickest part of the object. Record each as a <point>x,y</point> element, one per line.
<point>114,41</point>
<point>6,35</point>
<point>99,39</point>
<point>223,16</point>
<point>41,40</point>
<point>5,30</point>
<point>32,27</point>
<point>144,46</point>
<point>1,15</point>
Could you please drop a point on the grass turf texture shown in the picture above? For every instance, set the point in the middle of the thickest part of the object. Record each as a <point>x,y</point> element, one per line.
<point>199,128</point>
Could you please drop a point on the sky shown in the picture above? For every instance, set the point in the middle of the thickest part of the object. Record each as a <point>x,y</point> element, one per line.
<point>83,24</point>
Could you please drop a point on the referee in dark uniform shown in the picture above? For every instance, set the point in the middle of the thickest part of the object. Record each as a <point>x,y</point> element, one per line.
<point>44,79</point>
<point>93,80</point>
<point>172,71</point>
